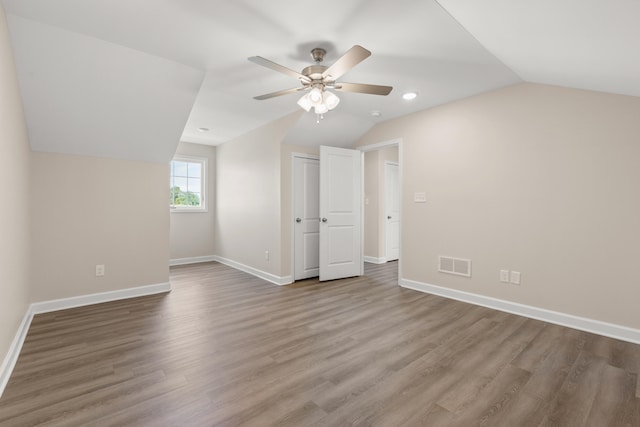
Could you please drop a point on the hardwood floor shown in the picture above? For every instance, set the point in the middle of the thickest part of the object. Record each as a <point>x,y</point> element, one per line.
<point>227,349</point>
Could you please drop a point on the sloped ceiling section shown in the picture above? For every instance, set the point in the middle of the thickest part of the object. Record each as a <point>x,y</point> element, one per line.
<point>415,45</point>
<point>584,44</point>
<point>91,97</point>
<point>130,78</point>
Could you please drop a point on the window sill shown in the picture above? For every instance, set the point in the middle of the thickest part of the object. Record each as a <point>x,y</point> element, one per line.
<point>187,210</point>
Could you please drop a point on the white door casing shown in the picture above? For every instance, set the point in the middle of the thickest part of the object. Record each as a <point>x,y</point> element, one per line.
<point>306,197</point>
<point>340,213</point>
<point>392,211</point>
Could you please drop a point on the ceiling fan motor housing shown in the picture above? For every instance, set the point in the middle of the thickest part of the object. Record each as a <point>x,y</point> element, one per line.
<point>314,72</point>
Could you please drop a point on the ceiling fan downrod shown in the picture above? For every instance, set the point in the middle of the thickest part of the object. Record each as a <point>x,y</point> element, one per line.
<point>318,54</point>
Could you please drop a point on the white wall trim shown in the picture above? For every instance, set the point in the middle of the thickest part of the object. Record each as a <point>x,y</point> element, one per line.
<point>11,357</point>
<point>62,304</point>
<point>191,260</point>
<point>278,280</point>
<point>82,300</point>
<point>584,324</point>
<point>374,260</point>
<point>380,145</point>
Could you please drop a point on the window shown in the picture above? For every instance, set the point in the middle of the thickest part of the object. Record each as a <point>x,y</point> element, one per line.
<point>188,184</point>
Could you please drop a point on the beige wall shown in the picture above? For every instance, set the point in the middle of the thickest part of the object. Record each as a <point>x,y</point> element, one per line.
<point>533,178</point>
<point>286,190</point>
<point>248,190</point>
<point>375,209</point>
<point>192,233</point>
<point>88,211</point>
<point>14,215</point>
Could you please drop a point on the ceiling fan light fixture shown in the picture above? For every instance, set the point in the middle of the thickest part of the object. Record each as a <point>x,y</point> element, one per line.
<point>305,103</point>
<point>330,99</point>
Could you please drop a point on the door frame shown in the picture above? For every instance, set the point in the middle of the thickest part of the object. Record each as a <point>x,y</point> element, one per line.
<point>378,146</point>
<point>364,148</point>
<point>386,213</point>
<point>293,207</point>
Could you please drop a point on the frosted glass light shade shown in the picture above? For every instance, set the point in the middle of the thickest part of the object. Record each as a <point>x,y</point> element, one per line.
<point>330,99</point>
<point>315,96</point>
<point>305,103</point>
<point>321,108</point>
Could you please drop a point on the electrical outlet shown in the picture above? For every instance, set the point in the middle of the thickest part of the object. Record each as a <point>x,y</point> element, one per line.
<point>504,276</point>
<point>266,255</point>
<point>515,277</point>
<point>100,270</point>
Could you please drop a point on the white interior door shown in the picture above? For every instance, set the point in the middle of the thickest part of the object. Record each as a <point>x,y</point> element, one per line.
<point>340,213</point>
<point>392,204</point>
<point>306,197</point>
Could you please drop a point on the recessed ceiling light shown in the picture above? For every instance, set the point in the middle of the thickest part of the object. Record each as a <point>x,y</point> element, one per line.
<point>375,113</point>
<point>203,129</point>
<point>408,96</point>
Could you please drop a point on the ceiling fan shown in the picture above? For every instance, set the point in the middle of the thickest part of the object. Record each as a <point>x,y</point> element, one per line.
<point>316,79</point>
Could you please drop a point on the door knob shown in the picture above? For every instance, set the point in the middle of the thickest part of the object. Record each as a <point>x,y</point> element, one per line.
<point>388,216</point>
<point>324,219</point>
<point>298,220</point>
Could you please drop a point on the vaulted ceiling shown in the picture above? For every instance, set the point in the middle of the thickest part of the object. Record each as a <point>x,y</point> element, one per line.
<point>129,79</point>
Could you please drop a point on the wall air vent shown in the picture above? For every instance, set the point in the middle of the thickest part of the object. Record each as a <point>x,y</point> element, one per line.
<point>458,266</point>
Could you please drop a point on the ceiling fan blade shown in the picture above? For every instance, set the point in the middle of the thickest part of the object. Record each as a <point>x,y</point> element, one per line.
<point>350,59</point>
<point>363,88</point>
<point>277,67</point>
<point>278,93</point>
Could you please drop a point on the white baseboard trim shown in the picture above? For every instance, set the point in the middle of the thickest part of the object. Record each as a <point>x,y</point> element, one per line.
<point>62,304</point>
<point>11,357</point>
<point>82,300</point>
<point>584,324</point>
<point>374,260</point>
<point>192,260</point>
<point>278,280</point>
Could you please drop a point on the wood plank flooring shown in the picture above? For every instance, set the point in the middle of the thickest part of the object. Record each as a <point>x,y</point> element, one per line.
<point>227,349</point>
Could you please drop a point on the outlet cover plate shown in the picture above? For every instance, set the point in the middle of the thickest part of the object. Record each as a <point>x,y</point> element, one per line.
<point>100,270</point>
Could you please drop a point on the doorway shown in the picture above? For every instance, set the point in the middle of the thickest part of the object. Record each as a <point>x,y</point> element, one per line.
<point>327,212</point>
<point>392,210</point>
<point>382,204</point>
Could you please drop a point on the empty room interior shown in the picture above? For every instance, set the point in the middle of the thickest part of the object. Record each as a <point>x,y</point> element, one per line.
<point>348,212</point>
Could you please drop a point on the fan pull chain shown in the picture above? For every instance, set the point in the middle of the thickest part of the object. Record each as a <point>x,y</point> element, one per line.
<point>319,117</point>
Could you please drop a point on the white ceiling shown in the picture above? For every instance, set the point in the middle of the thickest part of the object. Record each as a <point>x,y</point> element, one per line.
<point>122,77</point>
<point>585,44</point>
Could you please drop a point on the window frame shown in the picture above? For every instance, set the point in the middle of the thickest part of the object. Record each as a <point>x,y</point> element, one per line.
<point>204,172</point>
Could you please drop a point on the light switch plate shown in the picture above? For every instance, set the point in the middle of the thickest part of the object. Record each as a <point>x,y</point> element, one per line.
<point>504,276</point>
<point>515,277</point>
